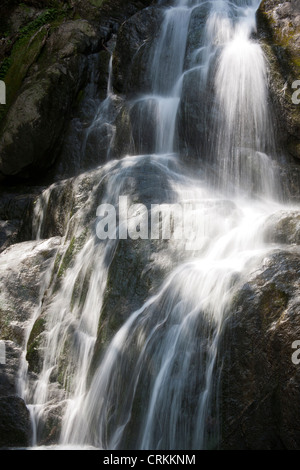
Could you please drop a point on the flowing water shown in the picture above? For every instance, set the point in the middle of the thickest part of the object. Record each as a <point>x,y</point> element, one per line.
<point>155,386</point>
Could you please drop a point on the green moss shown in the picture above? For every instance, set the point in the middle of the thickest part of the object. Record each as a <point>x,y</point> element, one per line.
<point>79,97</point>
<point>37,329</point>
<point>33,346</point>
<point>74,247</point>
<point>97,3</point>
<point>64,370</point>
<point>47,17</point>
<point>66,261</point>
<point>5,329</point>
<point>25,52</point>
<point>80,290</point>
<point>5,67</point>
<point>272,305</point>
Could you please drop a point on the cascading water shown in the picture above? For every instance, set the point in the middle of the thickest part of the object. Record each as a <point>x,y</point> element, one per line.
<point>156,384</point>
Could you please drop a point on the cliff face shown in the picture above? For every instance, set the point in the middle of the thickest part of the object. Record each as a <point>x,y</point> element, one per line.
<point>279,32</point>
<point>47,55</point>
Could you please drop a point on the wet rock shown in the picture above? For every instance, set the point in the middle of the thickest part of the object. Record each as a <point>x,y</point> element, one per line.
<point>137,267</point>
<point>22,268</point>
<point>14,422</point>
<point>193,119</point>
<point>279,33</point>
<point>35,122</point>
<point>131,56</point>
<point>283,227</point>
<point>195,40</point>
<point>260,398</point>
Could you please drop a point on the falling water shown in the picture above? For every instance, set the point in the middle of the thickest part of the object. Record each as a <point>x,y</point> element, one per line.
<point>156,384</point>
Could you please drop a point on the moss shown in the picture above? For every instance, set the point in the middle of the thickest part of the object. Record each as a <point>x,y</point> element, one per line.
<point>5,67</point>
<point>80,290</point>
<point>47,17</point>
<point>65,372</point>
<point>79,99</point>
<point>74,247</point>
<point>25,52</point>
<point>37,329</point>
<point>272,305</point>
<point>5,329</point>
<point>33,346</point>
<point>66,261</point>
<point>97,3</point>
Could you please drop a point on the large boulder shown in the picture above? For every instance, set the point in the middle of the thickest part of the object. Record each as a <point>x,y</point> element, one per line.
<point>14,422</point>
<point>259,396</point>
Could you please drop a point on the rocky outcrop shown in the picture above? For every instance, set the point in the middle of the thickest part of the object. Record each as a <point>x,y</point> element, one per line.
<point>46,68</point>
<point>35,121</point>
<point>279,33</point>
<point>260,398</point>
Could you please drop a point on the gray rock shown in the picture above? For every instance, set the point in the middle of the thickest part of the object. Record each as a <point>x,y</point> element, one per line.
<point>259,396</point>
<point>279,33</point>
<point>284,228</point>
<point>37,118</point>
<point>22,269</point>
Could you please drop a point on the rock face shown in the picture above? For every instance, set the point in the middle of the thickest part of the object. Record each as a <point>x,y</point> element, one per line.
<point>131,55</point>
<point>35,121</point>
<point>14,422</point>
<point>260,383</point>
<point>47,70</point>
<point>279,32</point>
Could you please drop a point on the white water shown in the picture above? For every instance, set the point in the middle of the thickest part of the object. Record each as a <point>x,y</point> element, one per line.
<point>156,385</point>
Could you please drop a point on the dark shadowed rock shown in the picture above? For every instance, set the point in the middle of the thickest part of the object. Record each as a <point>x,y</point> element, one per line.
<point>14,422</point>
<point>14,416</point>
<point>35,122</point>
<point>131,56</point>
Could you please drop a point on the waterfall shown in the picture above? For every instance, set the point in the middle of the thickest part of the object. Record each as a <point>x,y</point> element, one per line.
<point>155,383</point>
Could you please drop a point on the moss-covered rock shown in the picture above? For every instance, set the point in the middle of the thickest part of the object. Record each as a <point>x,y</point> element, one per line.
<point>279,33</point>
<point>37,116</point>
<point>46,58</point>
